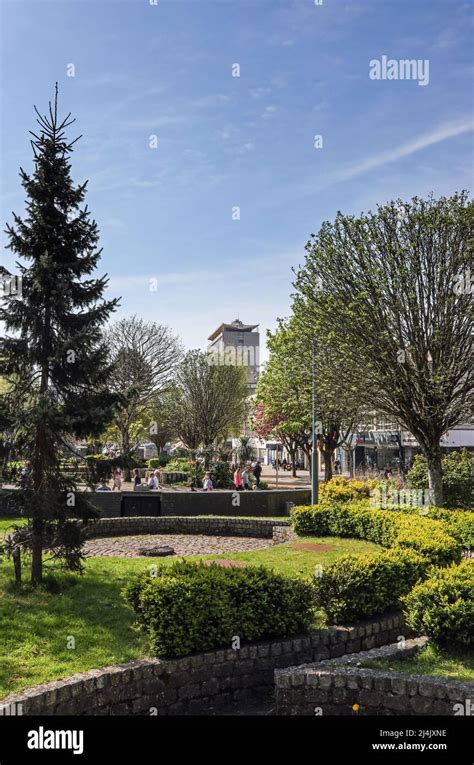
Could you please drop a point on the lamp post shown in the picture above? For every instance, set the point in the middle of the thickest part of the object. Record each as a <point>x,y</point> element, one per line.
<point>314,442</point>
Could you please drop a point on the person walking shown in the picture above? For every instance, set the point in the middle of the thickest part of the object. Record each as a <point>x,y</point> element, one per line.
<point>117,479</point>
<point>257,471</point>
<point>238,479</point>
<point>207,484</point>
<point>136,479</point>
<point>245,478</point>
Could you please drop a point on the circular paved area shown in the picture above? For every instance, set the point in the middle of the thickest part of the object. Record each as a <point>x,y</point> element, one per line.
<point>183,544</point>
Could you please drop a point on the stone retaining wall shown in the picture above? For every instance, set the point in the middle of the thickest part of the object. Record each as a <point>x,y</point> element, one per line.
<point>341,687</point>
<point>196,684</point>
<point>187,503</point>
<point>280,531</point>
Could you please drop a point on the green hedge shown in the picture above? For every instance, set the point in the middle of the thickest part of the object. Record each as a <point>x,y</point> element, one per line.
<point>442,607</point>
<point>357,587</point>
<point>192,607</point>
<point>457,523</point>
<point>426,536</point>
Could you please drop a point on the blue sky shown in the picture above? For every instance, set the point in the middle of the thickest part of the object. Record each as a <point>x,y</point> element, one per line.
<point>166,70</point>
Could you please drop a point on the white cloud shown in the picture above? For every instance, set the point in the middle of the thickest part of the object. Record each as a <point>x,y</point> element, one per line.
<point>441,133</point>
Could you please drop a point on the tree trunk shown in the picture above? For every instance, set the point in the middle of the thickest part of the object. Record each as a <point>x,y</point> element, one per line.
<point>435,477</point>
<point>327,457</point>
<point>125,450</point>
<point>17,564</point>
<point>37,556</point>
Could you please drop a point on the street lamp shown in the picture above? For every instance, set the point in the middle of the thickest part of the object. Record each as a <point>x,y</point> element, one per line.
<point>314,442</point>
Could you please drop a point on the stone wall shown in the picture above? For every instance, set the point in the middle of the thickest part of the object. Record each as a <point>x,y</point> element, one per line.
<point>261,503</point>
<point>280,531</point>
<point>196,684</point>
<point>342,687</point>
<point>112,504</point>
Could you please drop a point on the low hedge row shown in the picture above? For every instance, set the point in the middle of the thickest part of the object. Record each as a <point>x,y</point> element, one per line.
<point>357,587</point>
<point>426,536</point>
<point>190,607</point>
<point>459,524</point>
<point>360,586</point>
<point>341,490</point>
<point>442,607</point>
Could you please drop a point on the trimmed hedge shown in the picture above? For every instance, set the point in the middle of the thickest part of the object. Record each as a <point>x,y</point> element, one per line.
<point>341,490</point>
<point>192,607</point>
<point>442,607</point>
<point>457,523</point>
<point>426,536</point>
<point>360,586</point>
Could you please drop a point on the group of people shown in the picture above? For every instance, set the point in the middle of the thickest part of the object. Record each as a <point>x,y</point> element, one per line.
<point>241,479</point>
<point>151,480</point>
<point>242,475</point>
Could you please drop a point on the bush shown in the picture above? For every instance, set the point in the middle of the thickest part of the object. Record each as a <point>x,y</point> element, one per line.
<point>360,586</point>
<point>179,465</point>
<point>426,536</point>
<point>458,477</point>
<point>191,607</point>
<point>459,524</point>
<point>157,462</point>
<point>442,607</point>
<point>221,475</point>
<point>341,490</point>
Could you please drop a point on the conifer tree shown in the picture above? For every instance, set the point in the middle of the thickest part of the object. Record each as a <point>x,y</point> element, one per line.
<point>52,353</point>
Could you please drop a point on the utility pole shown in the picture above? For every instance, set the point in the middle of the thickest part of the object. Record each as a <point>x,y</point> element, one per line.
<point>314,444</point>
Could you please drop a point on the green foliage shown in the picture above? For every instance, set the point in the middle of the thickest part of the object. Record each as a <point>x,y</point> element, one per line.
<point>157,462</point>
<point>340,490</point>
<point>191,607</point>
<point>357,587</point>
<point>426,536</point>
<point>458,477</point>
<point>459,524</point>
<point>179,465</point>
<point>221,475</point>
<point>442,607</point>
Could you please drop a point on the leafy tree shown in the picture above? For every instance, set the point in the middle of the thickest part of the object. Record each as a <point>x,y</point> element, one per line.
<point>209,401</point>
<point>286,388</point>
<point>266,425</point>
<point>458,477</point>
<point>245,451</point>
<point>52,354</point>
<point>144,356</point>
<point>389,289</point>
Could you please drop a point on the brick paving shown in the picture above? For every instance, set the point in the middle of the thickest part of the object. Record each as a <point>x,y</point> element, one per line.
<point>183,544</point>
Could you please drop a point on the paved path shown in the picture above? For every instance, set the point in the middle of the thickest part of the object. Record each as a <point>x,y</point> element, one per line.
<point>183,544</point>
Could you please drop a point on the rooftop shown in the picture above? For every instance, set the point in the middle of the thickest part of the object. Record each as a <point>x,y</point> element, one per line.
<point>236,326</point>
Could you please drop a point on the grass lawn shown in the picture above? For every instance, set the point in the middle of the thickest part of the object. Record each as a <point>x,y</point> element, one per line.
<point>6,524</point>
<point>431,661</point>
<point>35,625</point>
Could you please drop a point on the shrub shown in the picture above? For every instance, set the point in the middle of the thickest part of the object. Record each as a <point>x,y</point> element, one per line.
<point>424,535</point>
<point>458,477</point>
<point>442,607</point>
<point>459,524</point>
<point>357,587</point>
<point>341,490</point>
<point>179,465</point>
<point>222,475</point>
<point>157,462</point>
<point>191,607</point>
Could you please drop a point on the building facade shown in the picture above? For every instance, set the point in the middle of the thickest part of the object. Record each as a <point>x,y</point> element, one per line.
<point>238,344</point>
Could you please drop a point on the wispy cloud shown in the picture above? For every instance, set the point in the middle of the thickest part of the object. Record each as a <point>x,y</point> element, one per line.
<point>441,133</point>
